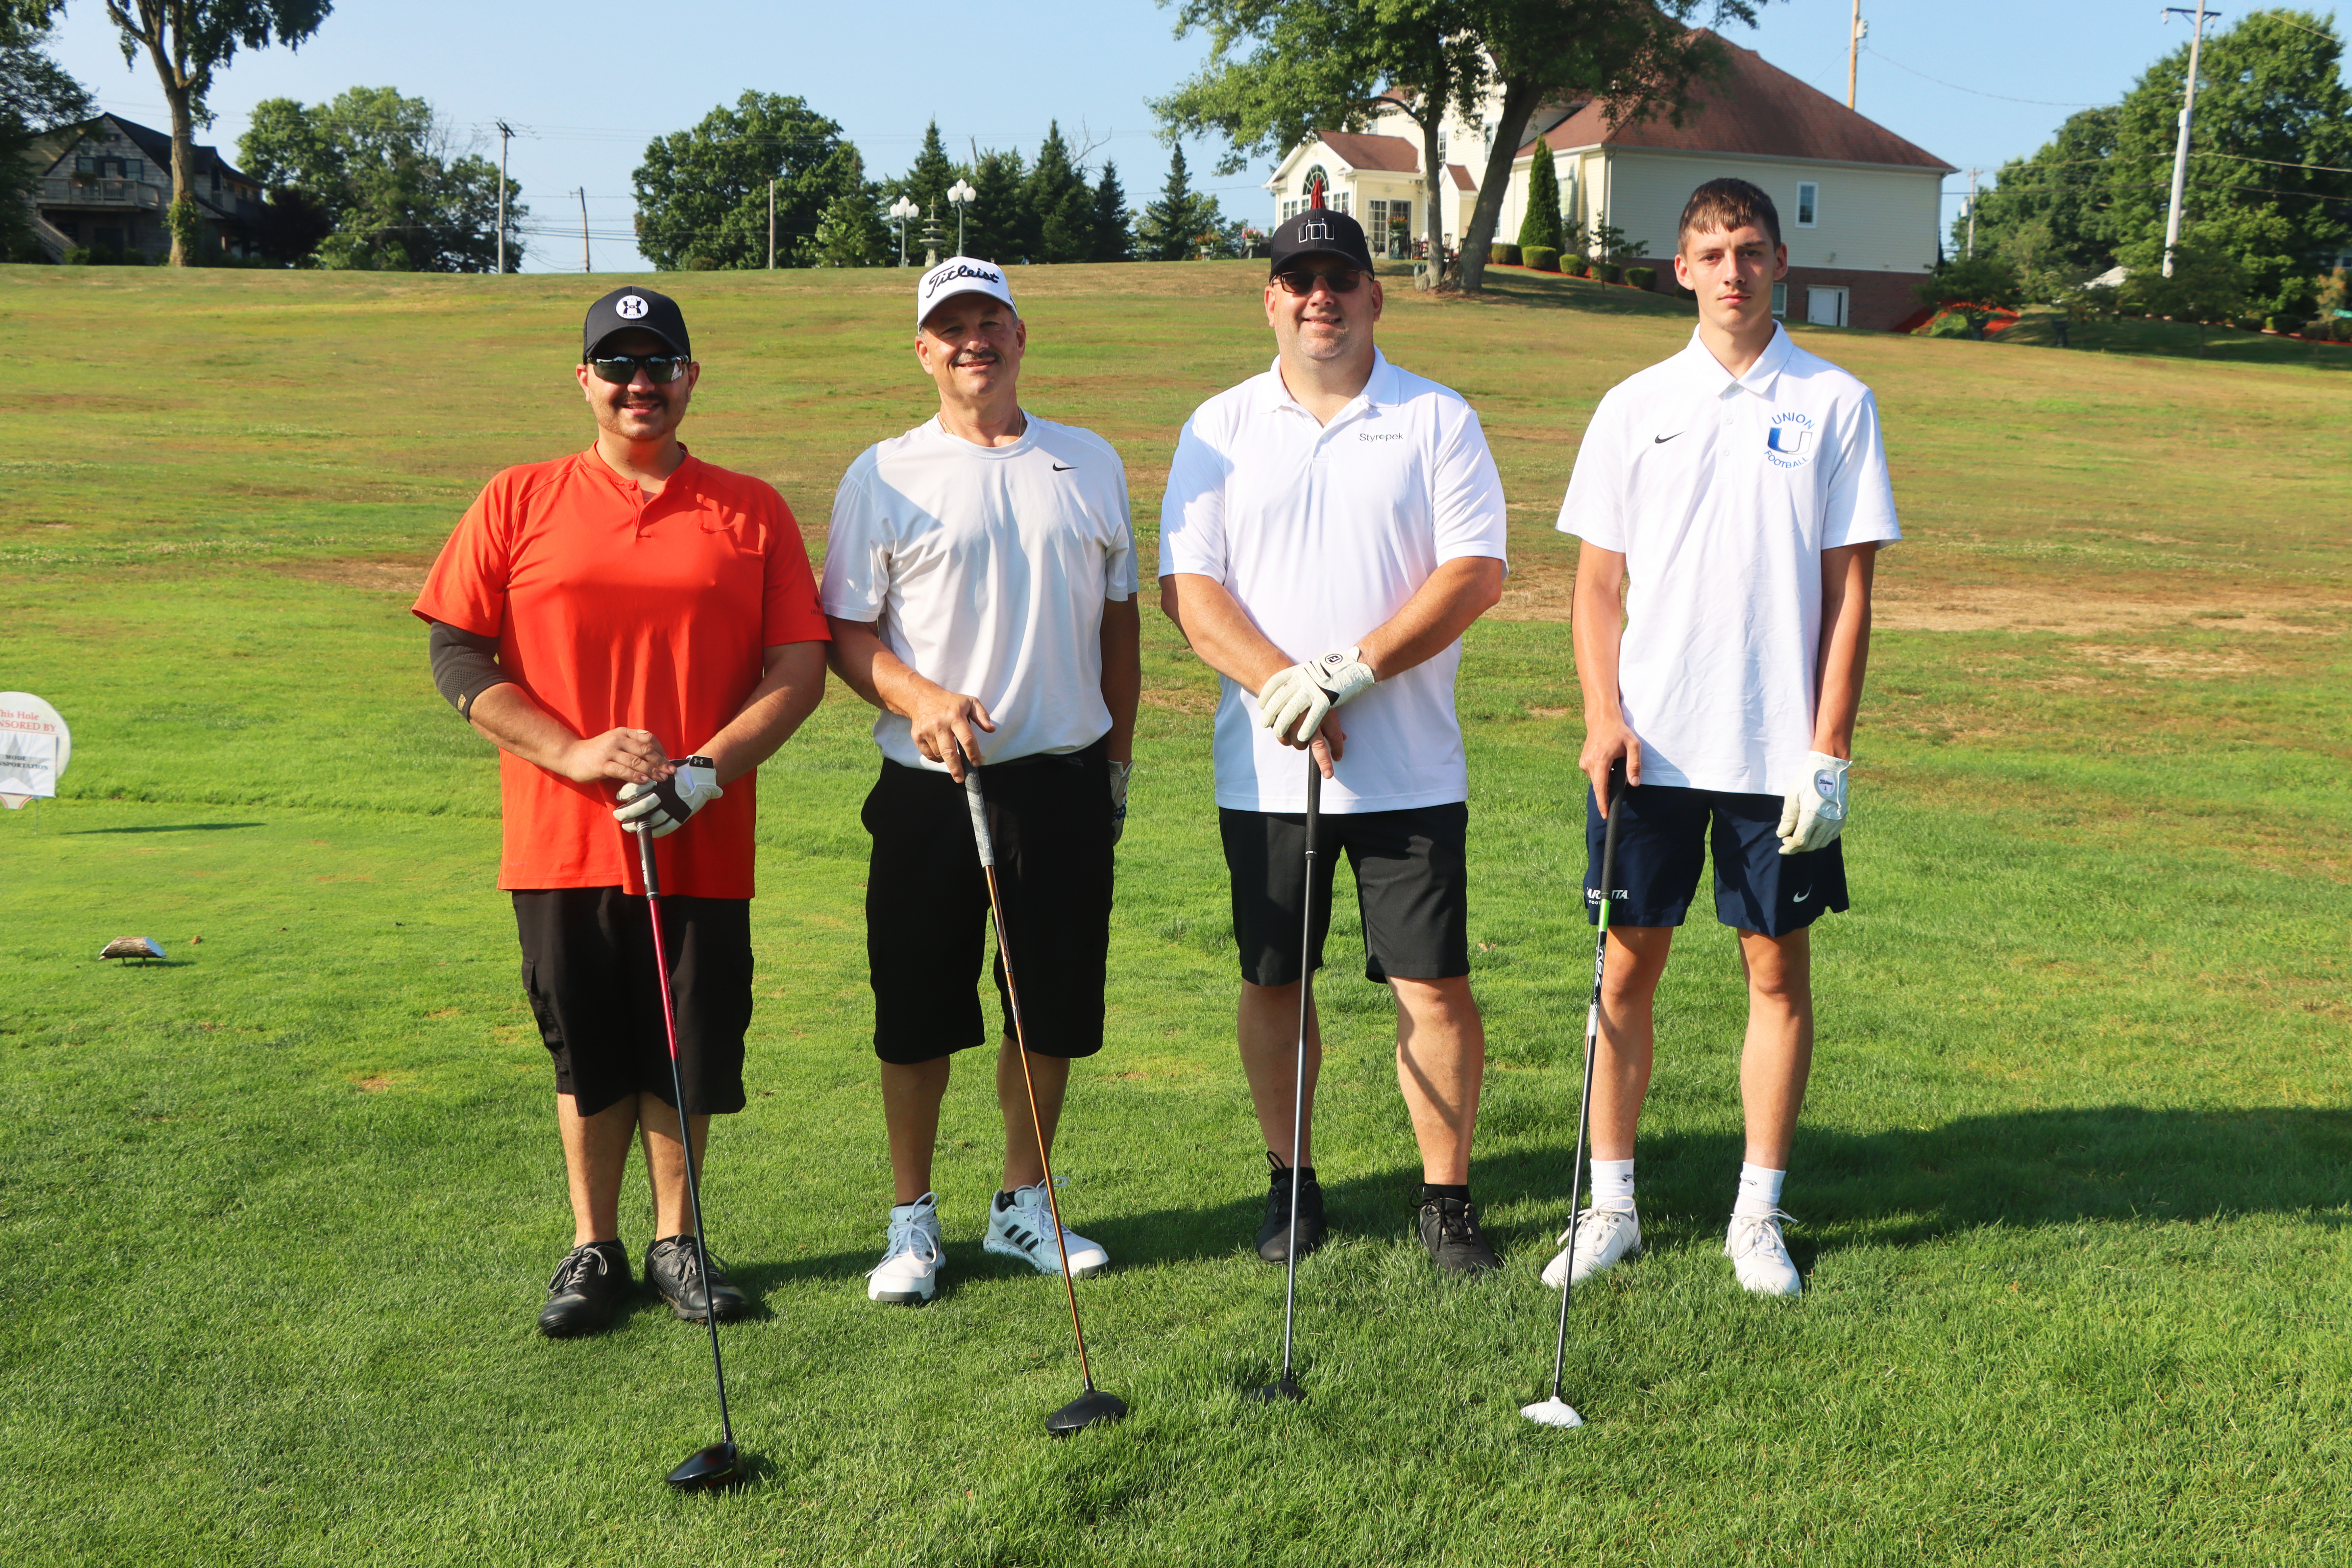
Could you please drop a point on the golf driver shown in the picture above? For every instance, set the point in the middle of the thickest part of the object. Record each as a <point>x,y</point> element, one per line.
<point>1285,1387</point>
<point>1556,1411</point>
<point>719,1463</point>
<point>1093,1407</point>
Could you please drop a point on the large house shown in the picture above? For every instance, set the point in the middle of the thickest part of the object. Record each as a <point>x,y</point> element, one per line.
<point>1860,206</point>
<point>106,184</point>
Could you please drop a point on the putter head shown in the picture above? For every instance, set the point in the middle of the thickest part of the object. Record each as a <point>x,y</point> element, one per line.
<point>1092,1408</point>
<point>1552,1412</point>
<point>1283,1390</point>
<point>709,1469</point>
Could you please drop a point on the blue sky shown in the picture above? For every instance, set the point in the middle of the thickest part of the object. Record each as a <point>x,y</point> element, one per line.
<point>591,81</point>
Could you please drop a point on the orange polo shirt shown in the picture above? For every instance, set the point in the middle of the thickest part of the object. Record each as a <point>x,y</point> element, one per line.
<point>614,610</point>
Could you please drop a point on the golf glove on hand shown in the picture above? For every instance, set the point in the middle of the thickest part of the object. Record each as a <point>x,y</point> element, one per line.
<point>1814,813</point>
<point>665,807</point>
<point>1294,703</point>
<point>1120,773</point>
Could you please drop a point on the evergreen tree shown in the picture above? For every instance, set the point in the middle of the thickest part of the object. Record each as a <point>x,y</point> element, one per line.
<point>927,183</point>
<point>1541,223</point>
<point>850,233</point>
<point>996,224</point>
<point>1059,206</point>
<point>1111,239</point>
<point>1169,229</point>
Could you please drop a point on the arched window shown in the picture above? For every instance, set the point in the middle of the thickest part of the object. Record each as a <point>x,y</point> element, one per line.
<point>1317,187</point>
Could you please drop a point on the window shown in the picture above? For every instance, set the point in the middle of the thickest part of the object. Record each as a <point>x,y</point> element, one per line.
<point>1780,299</point>
<point>1339,201</point>
<point>1378,214</point>
<point>85,165</point>
<point>1809,203</point>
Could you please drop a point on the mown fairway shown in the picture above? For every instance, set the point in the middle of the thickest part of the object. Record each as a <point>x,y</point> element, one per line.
<point>275,1217</point>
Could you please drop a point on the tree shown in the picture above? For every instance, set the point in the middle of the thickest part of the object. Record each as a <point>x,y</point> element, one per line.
<point>1174,227</point>
<point>1060,207</point>
<point>188,41</point>
<point>851,232</point>
<point>702,194</point>
<point>1541,223</point>
<point>998,223</point>
<point>2208,283</point>
<point>36,95</point>
<point>1111,239</point>
<point>396,193</point>
<point>1972,283</point>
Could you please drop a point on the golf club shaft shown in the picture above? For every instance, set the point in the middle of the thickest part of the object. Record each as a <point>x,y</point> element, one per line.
<point>1591,1048</point>
<point>685,1131</point>
<point>1299,1065</point>
<point>978,802</point>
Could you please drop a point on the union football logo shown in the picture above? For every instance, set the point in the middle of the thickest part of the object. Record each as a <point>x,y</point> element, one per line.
<point>1789,441</point>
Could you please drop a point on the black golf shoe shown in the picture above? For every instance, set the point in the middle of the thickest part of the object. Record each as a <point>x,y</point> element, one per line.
<point>1274,1236</point>
<point>1449,1229</point>
<point>669,1270</point>
<point>588,1285</point>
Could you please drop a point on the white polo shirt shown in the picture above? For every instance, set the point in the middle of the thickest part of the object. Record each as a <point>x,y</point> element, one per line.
<point>1322,532</point>
<point>1721,493</point>
<point>987,569</point>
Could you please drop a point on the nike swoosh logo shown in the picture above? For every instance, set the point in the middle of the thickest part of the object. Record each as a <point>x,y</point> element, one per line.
<point>1064,468</point>
<point>1801,898</point>
<point>1662,440</point>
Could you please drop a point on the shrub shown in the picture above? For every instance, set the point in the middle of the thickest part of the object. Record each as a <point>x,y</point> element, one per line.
<point>104,256</point>
<point>1576,264</point>
<point>1950,324</point>
<point>1643,277</point>
<point>1542,258</point>
<point>1504,255</point>
<point>1608,272</point>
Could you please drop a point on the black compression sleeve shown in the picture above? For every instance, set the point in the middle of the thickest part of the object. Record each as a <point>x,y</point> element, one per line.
<point>465,664</point>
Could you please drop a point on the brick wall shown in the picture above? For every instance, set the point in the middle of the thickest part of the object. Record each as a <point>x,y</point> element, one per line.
<point>1876,301</point>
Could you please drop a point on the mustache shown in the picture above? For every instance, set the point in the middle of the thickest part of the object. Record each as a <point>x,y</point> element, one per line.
<point>976,356</point>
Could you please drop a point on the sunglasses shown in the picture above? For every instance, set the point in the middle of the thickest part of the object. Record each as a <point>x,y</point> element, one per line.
<point>1300,280</point>
<point>621,369</point>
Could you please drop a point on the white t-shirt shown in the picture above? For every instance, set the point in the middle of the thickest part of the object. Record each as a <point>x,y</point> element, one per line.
<point>1721,494</point>
<point>1322,532</point>
<point>987,569</point>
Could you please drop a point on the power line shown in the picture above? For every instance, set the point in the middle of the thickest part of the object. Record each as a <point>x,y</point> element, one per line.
<point>1923,75</point>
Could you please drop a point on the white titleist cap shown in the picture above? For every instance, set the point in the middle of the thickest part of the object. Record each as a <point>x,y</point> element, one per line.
<point>960,275</point>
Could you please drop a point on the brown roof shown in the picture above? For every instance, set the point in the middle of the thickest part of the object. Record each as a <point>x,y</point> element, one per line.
<point>1358,151</point>
<point>1462,180</point>
<point>1758,109</point>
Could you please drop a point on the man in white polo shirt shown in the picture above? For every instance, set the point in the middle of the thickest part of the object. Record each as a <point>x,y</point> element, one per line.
<point>1742,488</point>
<point>1330,529</point>
<point>980,577</point>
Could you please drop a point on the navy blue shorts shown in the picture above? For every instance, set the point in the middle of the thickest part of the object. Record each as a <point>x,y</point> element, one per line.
<point>1666,834</point>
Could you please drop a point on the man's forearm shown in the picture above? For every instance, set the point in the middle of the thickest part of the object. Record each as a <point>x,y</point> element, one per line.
<point>511,717</point>
<point>1122,673</point>
<point>789,691</point>
<point>872,670</point>
<point>1844,654</point>
<point>1597,633</point>
<point>1439,612</point>
<point>1221,631</point>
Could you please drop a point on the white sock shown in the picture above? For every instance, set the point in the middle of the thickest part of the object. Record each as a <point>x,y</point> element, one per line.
<point>1759,1190</point>
<point>1613,1184</point>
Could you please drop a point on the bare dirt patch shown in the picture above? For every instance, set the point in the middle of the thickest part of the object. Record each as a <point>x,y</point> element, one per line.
<point>402,577</point>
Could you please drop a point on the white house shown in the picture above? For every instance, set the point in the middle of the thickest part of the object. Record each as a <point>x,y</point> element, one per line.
<point>1859,206</point>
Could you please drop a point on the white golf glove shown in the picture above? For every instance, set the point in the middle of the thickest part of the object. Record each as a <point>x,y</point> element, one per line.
<point>663,808</point>
<point>1814,813</point>
<point>1120,773</point>
<point>1294,703</point>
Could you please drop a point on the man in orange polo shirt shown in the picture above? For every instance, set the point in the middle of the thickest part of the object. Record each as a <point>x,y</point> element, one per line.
<point>589,615</point>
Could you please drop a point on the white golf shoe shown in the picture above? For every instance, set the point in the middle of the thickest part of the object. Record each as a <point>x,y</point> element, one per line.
<point>1026,1231</point>
<point>908,1274</point>
<point>1758,1256</point>
<point>1604,1238</point>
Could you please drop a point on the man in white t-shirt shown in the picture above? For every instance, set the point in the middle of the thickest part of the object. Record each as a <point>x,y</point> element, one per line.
<point>980,579</point>
<point>1741,486</point>
<point>1331,528</point>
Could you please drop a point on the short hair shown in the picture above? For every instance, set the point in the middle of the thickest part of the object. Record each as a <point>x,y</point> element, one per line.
<point>1722,206</point>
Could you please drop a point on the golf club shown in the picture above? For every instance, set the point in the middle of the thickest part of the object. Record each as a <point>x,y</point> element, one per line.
<point>1285,1387</point>
<point>1556,1411</point>
<point>719,1463</point>
<point>1093,1407</point>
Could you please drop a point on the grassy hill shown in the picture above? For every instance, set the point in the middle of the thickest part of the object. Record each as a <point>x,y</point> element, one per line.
<point>2073,1175</point>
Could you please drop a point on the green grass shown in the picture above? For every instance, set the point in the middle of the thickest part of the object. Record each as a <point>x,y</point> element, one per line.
<point>2075,1172</point>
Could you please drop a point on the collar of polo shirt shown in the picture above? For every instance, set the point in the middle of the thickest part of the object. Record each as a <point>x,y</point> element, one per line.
<point>1709,370</point>
<point>1378,387</point>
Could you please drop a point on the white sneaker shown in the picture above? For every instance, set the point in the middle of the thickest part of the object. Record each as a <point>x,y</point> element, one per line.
<point>1760,1257</point>
<point>1604,1238</point>
<point>908,1274</point>
<point>1026,1231</point>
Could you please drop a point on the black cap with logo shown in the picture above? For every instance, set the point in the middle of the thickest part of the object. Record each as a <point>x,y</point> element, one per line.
<point>1319,231</point>
<point>634,309</point>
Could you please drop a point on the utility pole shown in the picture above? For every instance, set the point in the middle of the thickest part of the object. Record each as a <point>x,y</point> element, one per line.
<point>1853,52</point>
<point>771,226</point>
<point>505,131</point>
<point>1972,214</point>
<point>2180,148</point>
<point>586,264</point>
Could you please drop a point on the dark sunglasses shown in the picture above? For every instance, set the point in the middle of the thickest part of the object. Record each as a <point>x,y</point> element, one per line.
<point>1300,280</point>
<point>621,369</point>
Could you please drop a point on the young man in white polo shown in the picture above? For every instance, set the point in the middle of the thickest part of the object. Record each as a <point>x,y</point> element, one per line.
<point>1741,486</point>
<point>980,576</point>
<point>1330,529</point>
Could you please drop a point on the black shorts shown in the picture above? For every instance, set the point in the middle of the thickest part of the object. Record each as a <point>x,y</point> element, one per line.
<point>1412,888</point>
<point>1667,832</point>
<point>927,904</point>
<point>588,968</point>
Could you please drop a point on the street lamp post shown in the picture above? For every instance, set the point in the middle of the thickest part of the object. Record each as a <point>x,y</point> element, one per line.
<point>961,194</point>
<point>900,211</point>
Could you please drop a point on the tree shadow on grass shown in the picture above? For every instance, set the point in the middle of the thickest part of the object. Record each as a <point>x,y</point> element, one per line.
<point>165,828</point>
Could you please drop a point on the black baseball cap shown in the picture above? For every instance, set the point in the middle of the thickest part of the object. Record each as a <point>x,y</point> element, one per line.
<point>1319,231</point>
<point>634,309</point>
